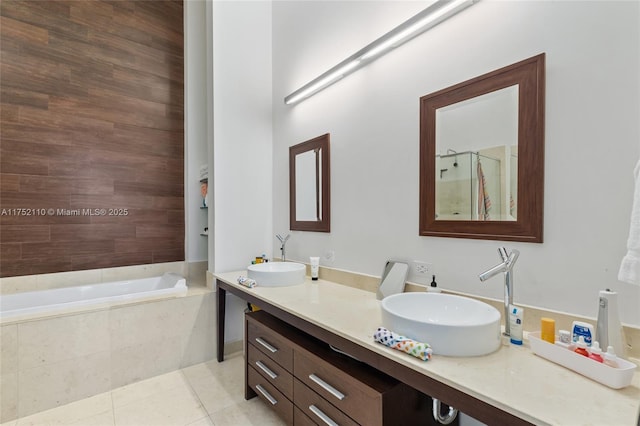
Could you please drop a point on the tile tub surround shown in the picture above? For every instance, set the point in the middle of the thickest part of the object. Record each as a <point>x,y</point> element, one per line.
<point>9,285</point>
<point>37,304</point>
<point>52,361</point>
<point>512,379</point>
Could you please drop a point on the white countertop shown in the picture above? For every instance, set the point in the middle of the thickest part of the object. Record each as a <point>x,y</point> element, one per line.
<point>512,378</point>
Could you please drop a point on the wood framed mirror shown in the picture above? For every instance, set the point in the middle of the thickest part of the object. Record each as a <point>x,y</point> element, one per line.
<point>309,185</point>
<point>482,156</point>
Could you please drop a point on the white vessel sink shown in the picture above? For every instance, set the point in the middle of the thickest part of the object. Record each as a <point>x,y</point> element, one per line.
<point>452,325</point>
<point>277,274</point>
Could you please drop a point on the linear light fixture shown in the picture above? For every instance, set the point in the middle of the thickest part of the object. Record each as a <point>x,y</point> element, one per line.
<point>440,11</point>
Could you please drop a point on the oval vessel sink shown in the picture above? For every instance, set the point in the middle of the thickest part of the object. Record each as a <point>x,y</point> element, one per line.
<point>277,274</point>
<point>452,325</point>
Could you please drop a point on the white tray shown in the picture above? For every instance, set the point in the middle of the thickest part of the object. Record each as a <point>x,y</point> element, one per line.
<point>613,377</point>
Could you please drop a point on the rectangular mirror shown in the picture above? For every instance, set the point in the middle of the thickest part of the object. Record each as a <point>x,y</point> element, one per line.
<point>309,186</point>
<point>482,156</point>
<point>475,140</point>
<point>309,191</point>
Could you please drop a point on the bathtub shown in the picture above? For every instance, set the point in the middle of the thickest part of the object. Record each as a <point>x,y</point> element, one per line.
<point>67,344</point>
<point>50,301</point>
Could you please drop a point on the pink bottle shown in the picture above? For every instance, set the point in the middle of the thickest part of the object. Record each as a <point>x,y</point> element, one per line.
<point>596,353</point>
<point>581,347</point>
<point>610,357</point>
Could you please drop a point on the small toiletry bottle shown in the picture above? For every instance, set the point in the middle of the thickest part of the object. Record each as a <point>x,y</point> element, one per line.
<point>564,340</point>
<point>610,358</point>
<point>581,347</point>
<point>548,329</point>
<point>515,324</point>
<point>583,329</point>
<point>315,265</point>
<point>596,353</point>
<point>258,259</point>
<point>433,288</point>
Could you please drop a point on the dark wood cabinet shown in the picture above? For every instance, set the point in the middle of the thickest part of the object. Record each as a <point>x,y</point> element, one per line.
<point>271,371</point>
<point>294,328</point>
<point>306,382</point>
<point>270,394</point>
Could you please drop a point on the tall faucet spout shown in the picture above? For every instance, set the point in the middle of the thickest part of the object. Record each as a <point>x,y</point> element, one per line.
<point>506,267</point>
<point>283,242</point>
<point>503,254</point>
<point>492,272</point>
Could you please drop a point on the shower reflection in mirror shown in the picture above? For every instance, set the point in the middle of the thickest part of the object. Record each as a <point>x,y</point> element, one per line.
<point>476,158</point>
<point>477,185</point>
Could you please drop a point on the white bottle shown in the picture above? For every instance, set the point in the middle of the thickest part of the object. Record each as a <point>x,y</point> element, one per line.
<point>610,358</point>
<point>315,265</point>
<point>608,327</point>
<point>515,324</point>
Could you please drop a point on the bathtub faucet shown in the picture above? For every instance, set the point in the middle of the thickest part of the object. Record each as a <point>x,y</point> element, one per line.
<point>283,241</point>
<point>508,261</point>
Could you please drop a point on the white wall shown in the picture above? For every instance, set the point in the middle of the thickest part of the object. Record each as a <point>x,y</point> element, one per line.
<point>242,141</point>
<point>483,122</point>
<point>195,130</point>
<point>592,138</point>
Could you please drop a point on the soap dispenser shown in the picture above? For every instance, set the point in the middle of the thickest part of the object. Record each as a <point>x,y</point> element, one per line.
<point>608,327</point>
<point>433,287</point>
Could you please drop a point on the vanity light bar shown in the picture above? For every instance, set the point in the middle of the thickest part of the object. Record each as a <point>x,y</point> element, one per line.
<point>440,11</point>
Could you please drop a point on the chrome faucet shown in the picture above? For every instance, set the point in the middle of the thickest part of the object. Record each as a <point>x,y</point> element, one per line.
<point>508,261</point>
<point>283,241</point>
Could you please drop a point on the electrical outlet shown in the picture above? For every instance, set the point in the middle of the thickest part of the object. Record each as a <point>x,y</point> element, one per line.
<point>422,269</point>
<point>330,256</point>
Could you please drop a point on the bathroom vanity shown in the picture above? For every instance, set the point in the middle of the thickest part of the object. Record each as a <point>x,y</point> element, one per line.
<point>306,382</point>
<point>510,386</point>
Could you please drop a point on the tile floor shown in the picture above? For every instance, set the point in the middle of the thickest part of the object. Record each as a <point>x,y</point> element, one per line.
<point>205,394</point>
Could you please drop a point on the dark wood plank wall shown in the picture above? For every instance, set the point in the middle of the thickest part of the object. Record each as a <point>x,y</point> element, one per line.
<point>91,118</point>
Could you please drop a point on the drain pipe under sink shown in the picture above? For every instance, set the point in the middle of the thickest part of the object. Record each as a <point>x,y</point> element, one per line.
<point>447,418</point>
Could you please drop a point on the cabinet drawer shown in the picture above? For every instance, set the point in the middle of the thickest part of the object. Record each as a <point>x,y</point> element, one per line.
<point>352,396</point>
<point>317,408</point>
<point>270,343</point>
<point>300,418</point>
<point>270,395</point>
<point>271,371</point>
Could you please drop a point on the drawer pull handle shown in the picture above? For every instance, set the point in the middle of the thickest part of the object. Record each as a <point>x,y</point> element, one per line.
<point>266,394</point>
<point>269,347</point>
<point>266,369</point>
<point>326,386</point>
<point>322,416</point>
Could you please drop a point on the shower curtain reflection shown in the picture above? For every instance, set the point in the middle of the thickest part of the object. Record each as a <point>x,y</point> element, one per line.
<point>468,187</point>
